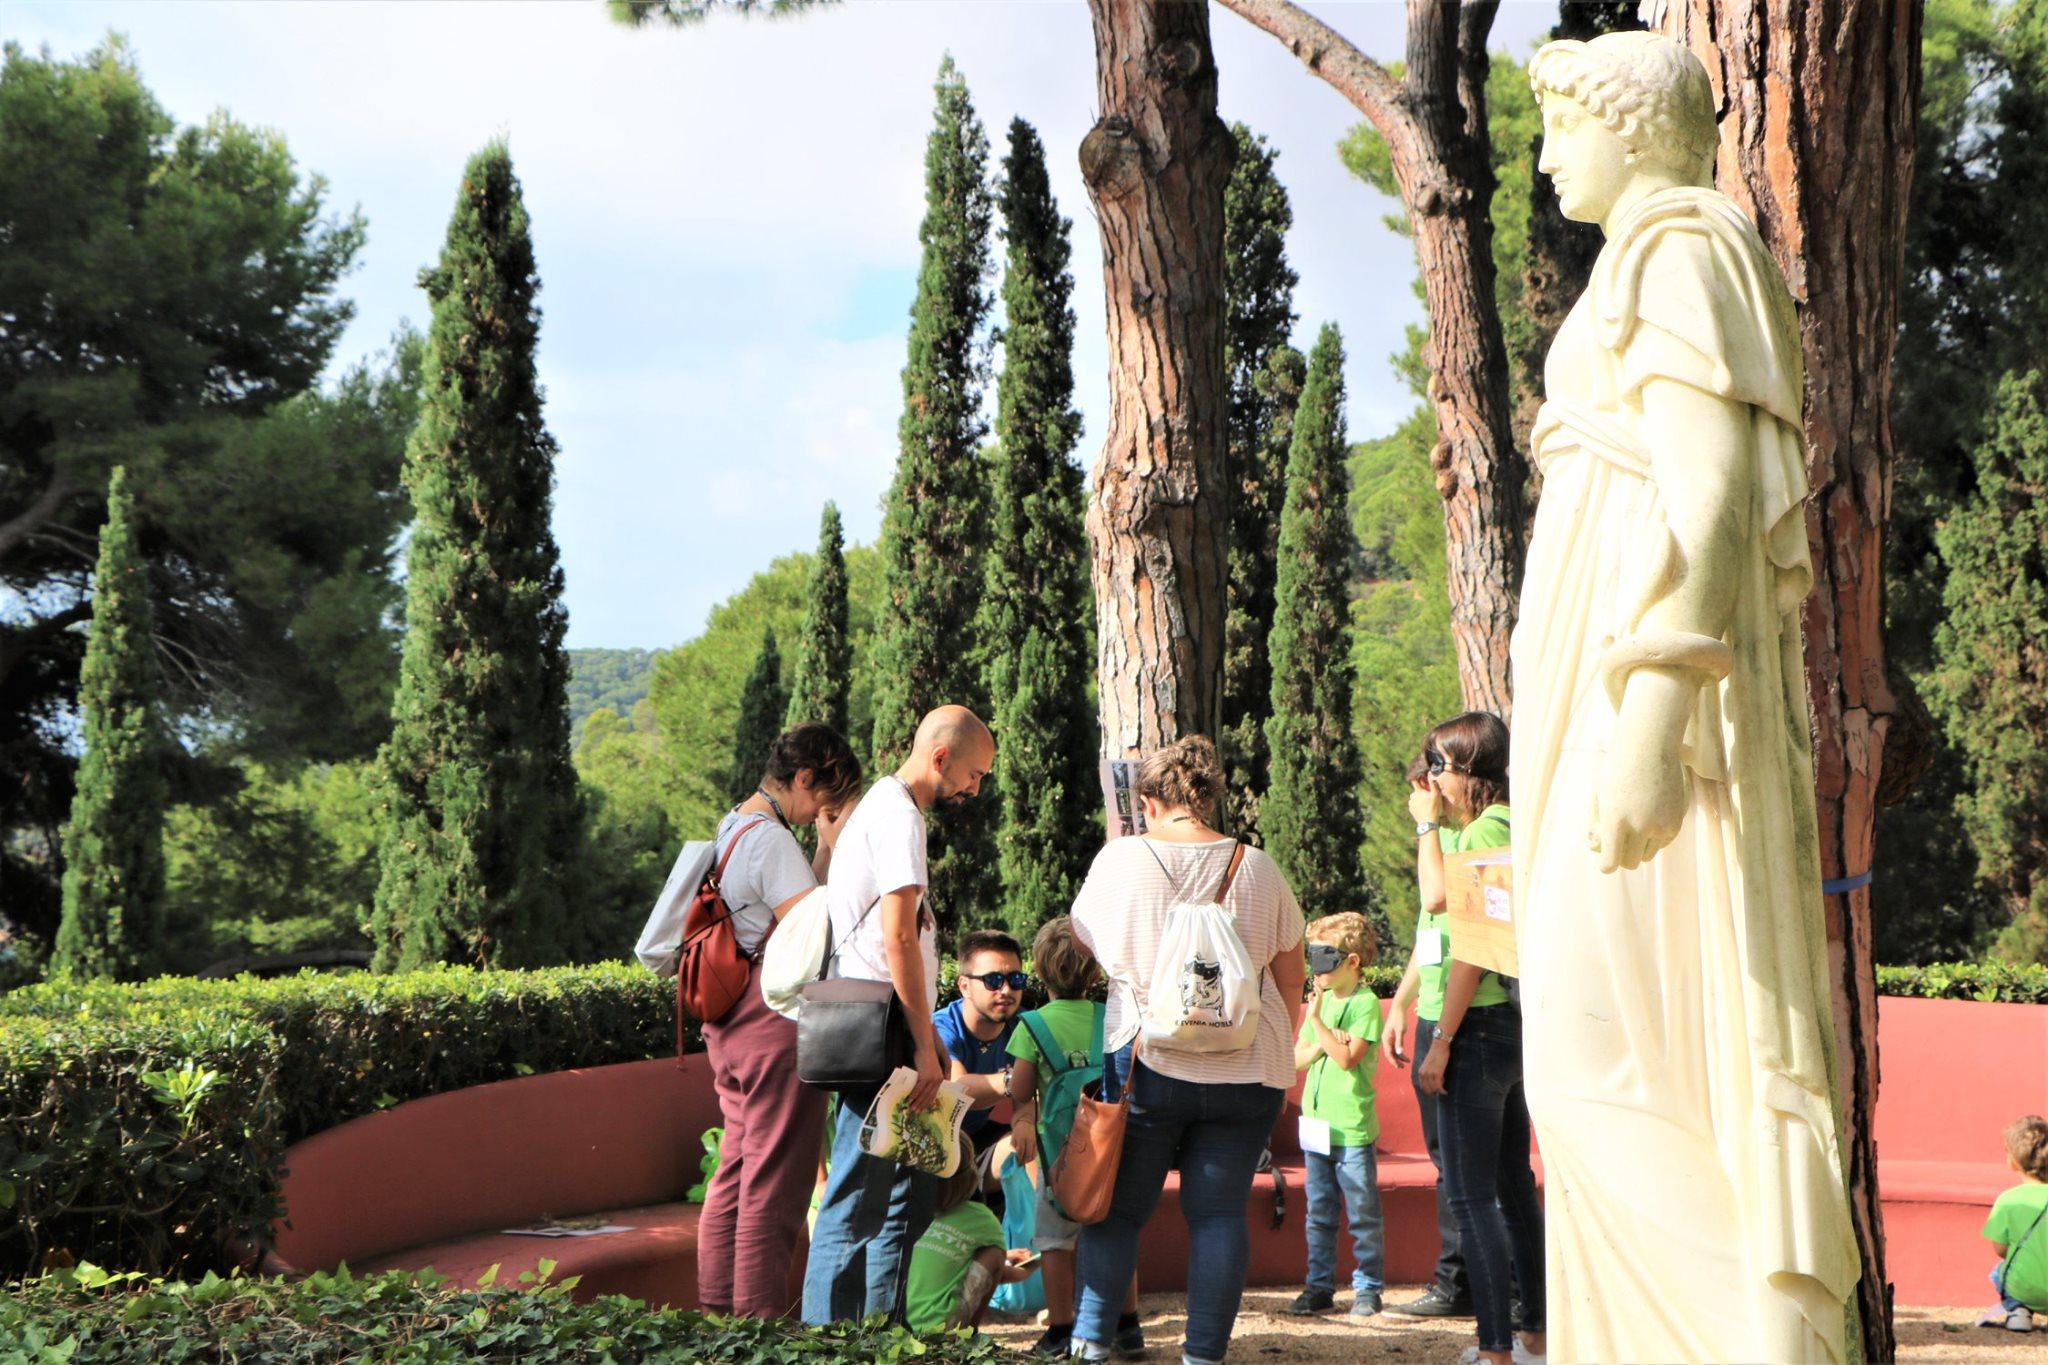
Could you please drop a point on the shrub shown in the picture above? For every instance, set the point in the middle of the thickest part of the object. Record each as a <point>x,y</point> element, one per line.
<point>2022,983</point>
<point>144,1126</point>
<point>87,1317</point>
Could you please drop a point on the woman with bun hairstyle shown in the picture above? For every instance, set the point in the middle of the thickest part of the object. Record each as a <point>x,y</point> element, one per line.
<point>1207,1113</point>
<point>768,1161</point>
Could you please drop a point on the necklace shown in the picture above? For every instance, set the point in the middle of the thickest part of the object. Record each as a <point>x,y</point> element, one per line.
<point>775,806</point>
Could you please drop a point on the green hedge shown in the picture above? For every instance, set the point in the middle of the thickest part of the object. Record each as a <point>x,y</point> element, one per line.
<point>144,1126</point>
<point>87,1317</point>
<point>2021,983</point>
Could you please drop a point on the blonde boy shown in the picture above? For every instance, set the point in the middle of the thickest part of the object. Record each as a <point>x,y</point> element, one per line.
<point>2018,1230</point>
<point>1339,1048</point>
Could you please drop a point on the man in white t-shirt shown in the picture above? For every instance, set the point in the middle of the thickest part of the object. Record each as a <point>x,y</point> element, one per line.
<point>874,1211</point>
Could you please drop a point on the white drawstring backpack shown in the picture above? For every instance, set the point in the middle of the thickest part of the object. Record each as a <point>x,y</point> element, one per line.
<point>1204,995</point>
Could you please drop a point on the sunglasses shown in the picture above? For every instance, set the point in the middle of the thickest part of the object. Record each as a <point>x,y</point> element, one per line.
<point>1323,957</point>
<point>1436,763</point>
<point>995,981</point>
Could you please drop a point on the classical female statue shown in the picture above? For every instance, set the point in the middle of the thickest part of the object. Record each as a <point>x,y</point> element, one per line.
<point>1675,975</point>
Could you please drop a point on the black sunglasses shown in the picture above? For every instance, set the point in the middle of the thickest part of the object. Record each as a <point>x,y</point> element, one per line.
<point>995,981</point>
<point>1436,762</point>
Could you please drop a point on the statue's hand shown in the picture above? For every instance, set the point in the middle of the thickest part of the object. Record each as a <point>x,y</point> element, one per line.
<point>1643,796</point>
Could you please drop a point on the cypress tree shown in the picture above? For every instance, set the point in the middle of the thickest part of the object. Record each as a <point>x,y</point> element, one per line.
<point>1990,683</point>
<point>1311,815</point>
<point>1264,375</point>
<point>483,814</point>
<point>824,652</point>
<point>1034,616</point>
<point>762,705</point>
<point>113,844</point>
<point>932,534</point>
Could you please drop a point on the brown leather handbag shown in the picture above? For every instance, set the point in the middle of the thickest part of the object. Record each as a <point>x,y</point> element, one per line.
<point>711,968</point>
<point>1083,1177</point>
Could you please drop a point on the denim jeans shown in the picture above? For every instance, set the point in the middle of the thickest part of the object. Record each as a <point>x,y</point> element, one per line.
<point>1485,1126</point>
<point>1348,1175</point>
<point>870,1219</point>
<point>1449,1279</point>
<point>1214,1134</point>
<point>2005,1300</point>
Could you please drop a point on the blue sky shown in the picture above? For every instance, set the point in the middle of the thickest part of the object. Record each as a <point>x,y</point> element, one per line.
<point>726,224</point>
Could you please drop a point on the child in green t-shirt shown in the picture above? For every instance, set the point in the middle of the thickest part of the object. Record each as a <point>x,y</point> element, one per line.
<point>1058,1049</point>
<point>960,1260</point>
<point>1339,1047</point>
<point>2018,1229</point>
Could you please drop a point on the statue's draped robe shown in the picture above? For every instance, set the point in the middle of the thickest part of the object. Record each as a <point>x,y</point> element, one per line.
<point>1678,1015</point>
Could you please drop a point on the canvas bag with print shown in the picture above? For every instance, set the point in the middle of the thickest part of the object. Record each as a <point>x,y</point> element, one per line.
<point>1204,995</point>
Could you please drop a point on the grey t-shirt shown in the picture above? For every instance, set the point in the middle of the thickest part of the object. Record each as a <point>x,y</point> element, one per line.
<point>768,867</point>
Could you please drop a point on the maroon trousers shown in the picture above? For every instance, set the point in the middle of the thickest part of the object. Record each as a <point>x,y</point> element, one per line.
<point>767,1166</point>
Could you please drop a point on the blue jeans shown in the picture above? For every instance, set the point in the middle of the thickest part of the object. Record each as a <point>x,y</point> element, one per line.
<point>870,1219</point>
<point>1214,1134</point>
<point>1485,1126</point>
<point>2005,1300</point>
<point>1349,1175</point>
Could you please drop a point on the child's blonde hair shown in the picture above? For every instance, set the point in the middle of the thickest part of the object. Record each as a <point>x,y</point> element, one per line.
<point>1062,962</point>
<point>2026,1142</point>
<point>1348,932</point>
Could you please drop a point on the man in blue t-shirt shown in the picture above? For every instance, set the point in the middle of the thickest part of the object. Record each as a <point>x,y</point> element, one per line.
<point>975,1029</point>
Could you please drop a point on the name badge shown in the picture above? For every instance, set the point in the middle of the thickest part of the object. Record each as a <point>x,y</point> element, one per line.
<point>1315,1135</point>
<point>1429,944</point>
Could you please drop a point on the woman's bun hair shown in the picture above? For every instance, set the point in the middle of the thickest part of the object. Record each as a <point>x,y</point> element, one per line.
<point>835,771</point>
<point>1184,773</point>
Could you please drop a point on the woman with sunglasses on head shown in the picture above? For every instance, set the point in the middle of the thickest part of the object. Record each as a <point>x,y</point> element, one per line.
<point>1209,1113</point>
<point>1471,1070</point>
<point>768,1159</point>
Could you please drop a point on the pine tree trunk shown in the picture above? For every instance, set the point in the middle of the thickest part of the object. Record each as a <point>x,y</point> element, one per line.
<point>1156,163</point>
<point>1434,123</point>
<point>1821,101</point>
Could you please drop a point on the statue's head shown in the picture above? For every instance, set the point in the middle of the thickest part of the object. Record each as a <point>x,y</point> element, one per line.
<point>1619,107</point>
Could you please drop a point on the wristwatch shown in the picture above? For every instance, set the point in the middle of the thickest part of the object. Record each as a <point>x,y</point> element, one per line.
<point>1423,827</point>
<point>1007,1069</point>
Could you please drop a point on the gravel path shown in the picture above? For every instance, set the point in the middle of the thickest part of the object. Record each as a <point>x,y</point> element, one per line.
<point>1265,1332</point>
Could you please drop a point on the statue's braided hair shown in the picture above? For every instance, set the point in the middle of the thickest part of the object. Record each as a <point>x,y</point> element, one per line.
<point>1645,88</point>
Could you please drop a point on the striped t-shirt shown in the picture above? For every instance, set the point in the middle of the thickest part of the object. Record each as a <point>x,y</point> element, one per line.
<point>1120,914</point>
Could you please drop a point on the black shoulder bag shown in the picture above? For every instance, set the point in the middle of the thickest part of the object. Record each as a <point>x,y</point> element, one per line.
<point>851,1034</point>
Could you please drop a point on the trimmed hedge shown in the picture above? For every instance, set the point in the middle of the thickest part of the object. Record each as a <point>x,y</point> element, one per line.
<point>2018,983</point>
<point>144,1126</point>
<point>87,1317</point>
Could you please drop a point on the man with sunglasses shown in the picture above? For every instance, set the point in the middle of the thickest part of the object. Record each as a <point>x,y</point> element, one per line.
<point>975,1029</point>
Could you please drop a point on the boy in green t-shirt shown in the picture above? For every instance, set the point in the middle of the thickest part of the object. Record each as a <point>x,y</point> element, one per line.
<point>1339,1046</point>
<point>958,1262</point>
<point>2018,1229</point>
<point>1058,1049</point>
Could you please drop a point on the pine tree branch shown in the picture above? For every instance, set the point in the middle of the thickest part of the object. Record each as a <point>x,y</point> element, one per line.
<point>19,643</point>
<point>55,494</point>
<point>1334,60</point>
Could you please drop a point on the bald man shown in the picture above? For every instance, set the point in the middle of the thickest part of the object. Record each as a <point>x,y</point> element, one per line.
<point>874,1211</point>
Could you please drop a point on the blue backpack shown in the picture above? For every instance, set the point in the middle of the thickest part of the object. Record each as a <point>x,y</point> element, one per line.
<point>1059,1089</point>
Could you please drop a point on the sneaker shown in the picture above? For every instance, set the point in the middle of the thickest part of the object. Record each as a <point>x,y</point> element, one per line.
<point>2019,1320</point>
<point>1312,1301</point>
<point>1434,1303</point>
<point>1056,1341</point>
<point>1366,1304</point>
<point>1130,1338</point>
<point>1516,1353</point>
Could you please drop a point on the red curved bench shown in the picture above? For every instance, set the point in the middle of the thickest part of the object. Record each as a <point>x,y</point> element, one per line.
<point>433,1182</point>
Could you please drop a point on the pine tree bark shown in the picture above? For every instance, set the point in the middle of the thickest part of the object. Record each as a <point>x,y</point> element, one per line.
<point>1820,102</point>
<point>1156,163</point>
<point>1434,123</point>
